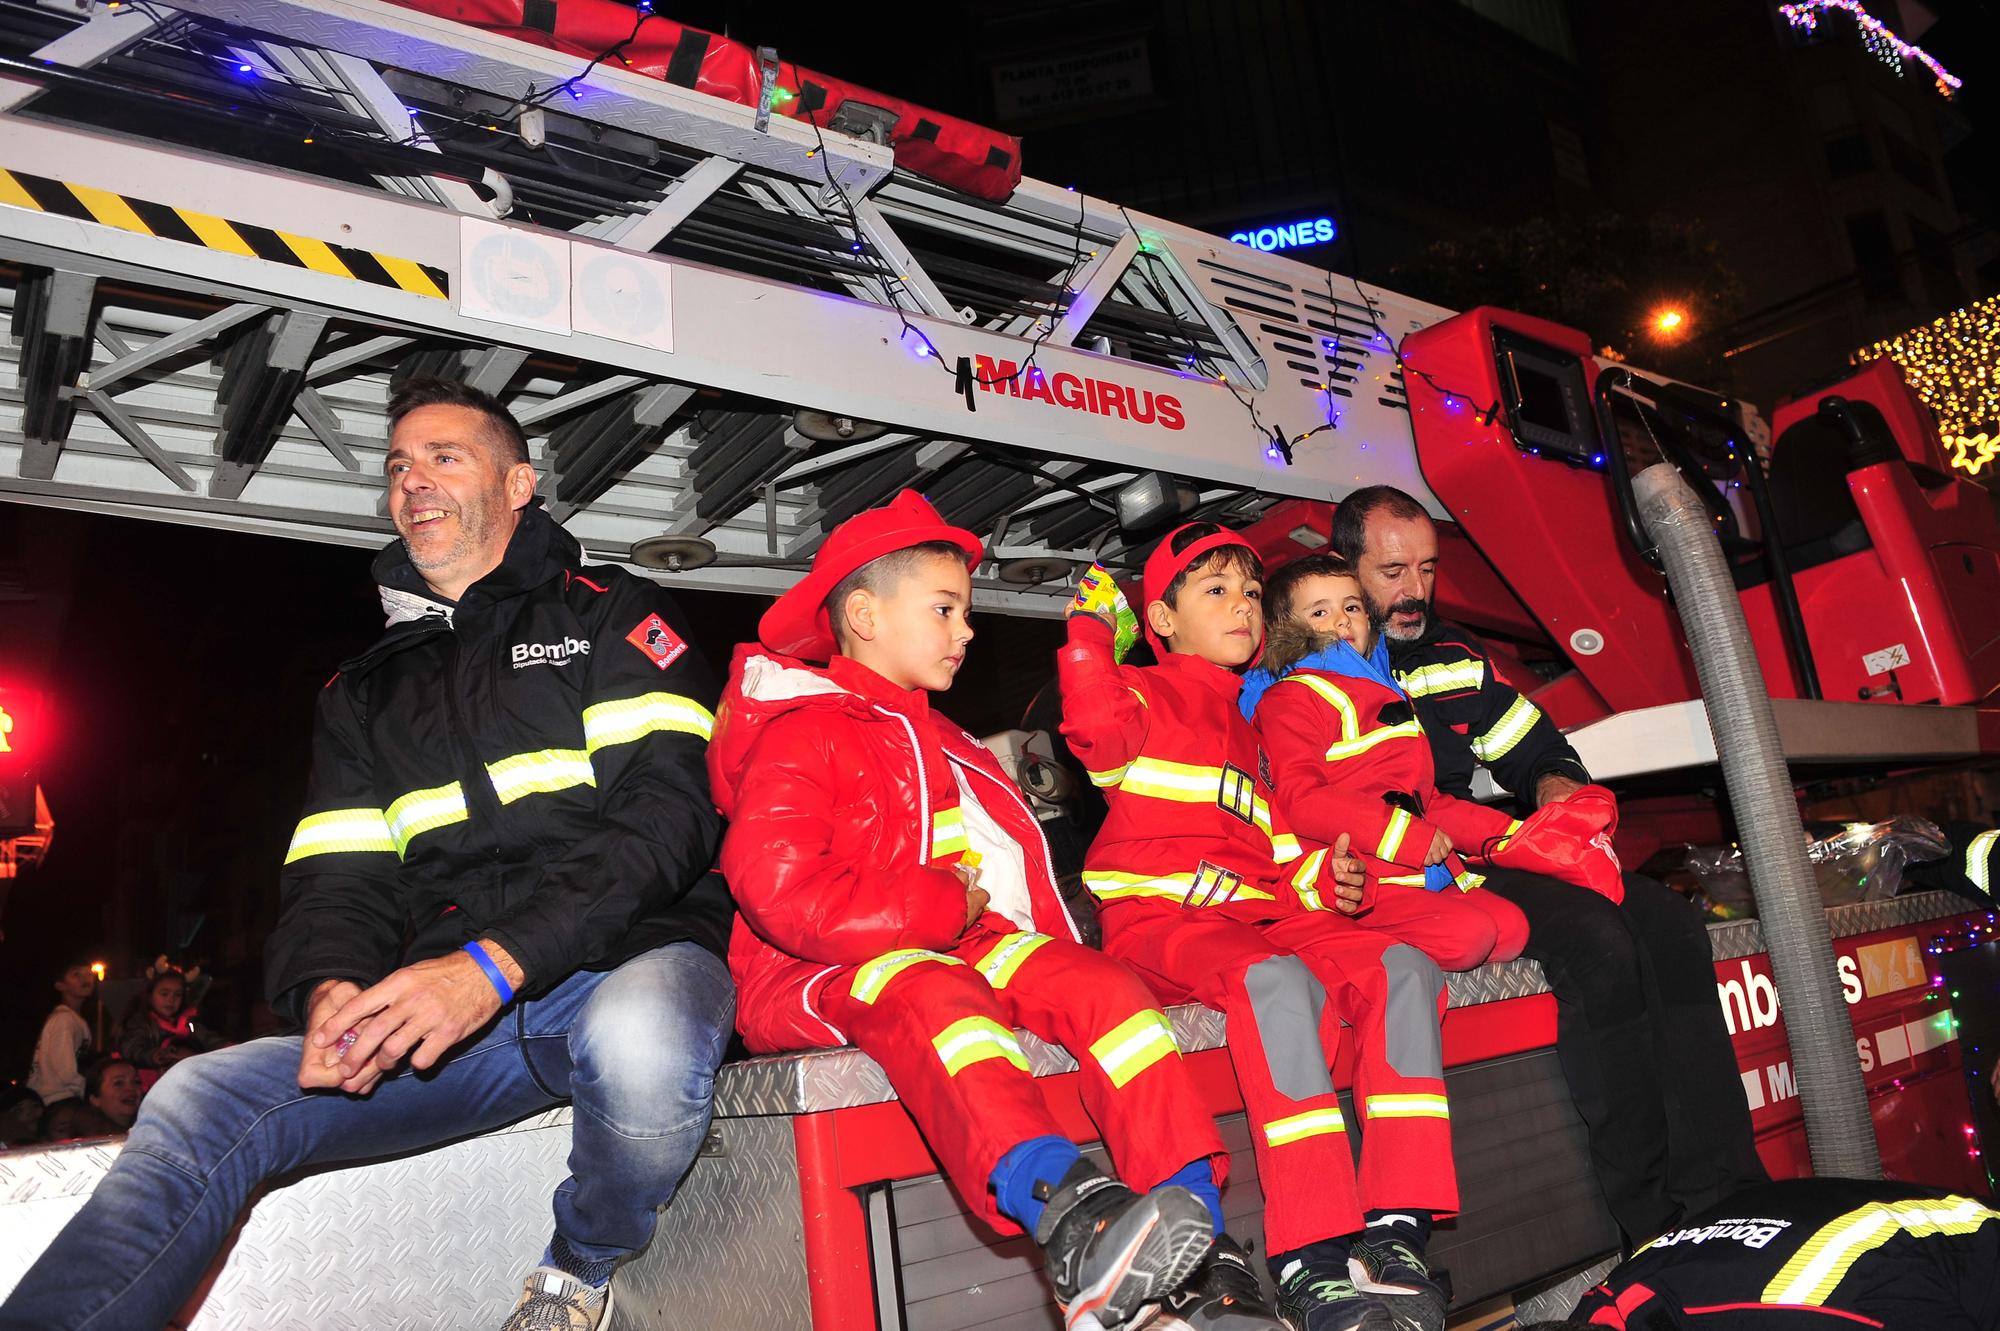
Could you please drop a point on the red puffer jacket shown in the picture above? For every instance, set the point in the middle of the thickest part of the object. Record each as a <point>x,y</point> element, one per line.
<point>844,823</point>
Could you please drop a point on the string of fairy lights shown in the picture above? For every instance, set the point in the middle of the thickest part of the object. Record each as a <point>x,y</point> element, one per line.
<point>1876,35</point>
<point>1953,365</point>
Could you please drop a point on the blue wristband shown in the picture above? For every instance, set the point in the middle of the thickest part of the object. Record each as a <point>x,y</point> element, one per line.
<point>493,972</point>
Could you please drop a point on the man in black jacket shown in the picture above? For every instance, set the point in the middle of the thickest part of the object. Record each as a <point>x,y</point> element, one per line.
<point>500,897</point>
<point>1638,1028</point>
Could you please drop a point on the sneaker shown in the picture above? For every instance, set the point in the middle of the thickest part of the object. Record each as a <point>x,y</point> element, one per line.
<point>1110,1251</point>
<point>553,1300</point>
<point>1221,1295</point>
<point>1324,1298</point>
<point>1396,1273</point>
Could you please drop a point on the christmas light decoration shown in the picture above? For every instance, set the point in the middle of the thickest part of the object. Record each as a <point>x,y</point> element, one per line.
<point>1883,43</point>
<point>1953,364</point>
<point>1971,453</point>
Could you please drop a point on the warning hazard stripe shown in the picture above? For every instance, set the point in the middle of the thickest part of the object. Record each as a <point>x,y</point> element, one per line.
<point>87,204</point>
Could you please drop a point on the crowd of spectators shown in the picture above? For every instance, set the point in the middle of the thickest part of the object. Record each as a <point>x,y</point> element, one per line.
<point>86,1079</point>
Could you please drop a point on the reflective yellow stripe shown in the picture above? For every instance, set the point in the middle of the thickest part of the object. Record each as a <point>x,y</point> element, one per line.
<point>216,233</point>
<point>627,719</point>
<point>341,831</point>
<point>1505,837</point>
<point>1161,779</point>
<point>1134,1045</point>
<point>1140,696</point>
<point>948,833</point>
<point>315,255</point>
<point>409,276</point>
<point>1187,783</point>
<point>1312,1123</point>
<point>1109,778</point>
<point>1818,1267</point>
<point>544,771</point>
<point>423,811</point>
<point>1108,885</point>
<point>1285,848</point>
<point>873,978</point>
<point>1348,748</point>
<point>1402,880</point>
<point>109,209</point>
<point>1392,835</point>
<point>1444,677</point>
<point>974,1040</point>
<point>1305,880</point>
<point>1407,1106</point>
<point>1512,727</point>
<point>999,965</point>
<point>1350,721</point>
<point>1978,863</point>
<point>12,193</point>
<point>1469,880</point>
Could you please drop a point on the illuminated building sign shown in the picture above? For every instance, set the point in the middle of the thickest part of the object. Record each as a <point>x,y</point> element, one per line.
<point>1288,235</point>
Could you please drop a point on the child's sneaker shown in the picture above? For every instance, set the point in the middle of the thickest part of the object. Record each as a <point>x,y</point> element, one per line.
<point>1110,1250</point>
<point>553,1300</point>
<point>1322,1297</point>
<point>1221,1295</point>
<point>1397,1274</point>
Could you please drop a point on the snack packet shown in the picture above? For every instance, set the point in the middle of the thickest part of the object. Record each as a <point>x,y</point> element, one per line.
<point>1098,593</point>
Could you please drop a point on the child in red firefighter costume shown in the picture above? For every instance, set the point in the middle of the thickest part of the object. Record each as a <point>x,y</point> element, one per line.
<point>857,817</point>
<point>1205,893</point>
<point>1348,756</point>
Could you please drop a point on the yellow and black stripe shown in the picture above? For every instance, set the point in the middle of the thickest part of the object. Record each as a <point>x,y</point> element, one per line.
<point>89,204</point>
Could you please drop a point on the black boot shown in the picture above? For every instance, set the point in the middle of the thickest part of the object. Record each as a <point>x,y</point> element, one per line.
<point>1109,1250</point>
<point>1221,1295</point>
<point>1397,1274</point>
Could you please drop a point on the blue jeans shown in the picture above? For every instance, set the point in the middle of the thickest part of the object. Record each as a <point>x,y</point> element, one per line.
<point>635,1050</point>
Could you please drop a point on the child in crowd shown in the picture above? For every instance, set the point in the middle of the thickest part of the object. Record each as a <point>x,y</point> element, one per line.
<point>1204,892</point>
<point>63,1049</point>
<point>896,893</point>
<point>1348,756</point>
<point>160,1029</point>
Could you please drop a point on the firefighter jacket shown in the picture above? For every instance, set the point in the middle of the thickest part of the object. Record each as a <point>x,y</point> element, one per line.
<point>843,795</point>
<point>1349,755</point>
<point>1191,821</point>
<point>524,765</point>
<point>1874,1254</point>
<point>1475,720</point>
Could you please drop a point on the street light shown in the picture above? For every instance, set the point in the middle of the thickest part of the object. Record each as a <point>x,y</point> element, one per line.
<point>1668,322</point>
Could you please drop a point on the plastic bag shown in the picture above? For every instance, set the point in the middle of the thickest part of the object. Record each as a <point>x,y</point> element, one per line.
<point>1858,862</point>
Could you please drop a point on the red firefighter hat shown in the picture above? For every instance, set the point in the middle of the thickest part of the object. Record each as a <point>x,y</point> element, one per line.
<point>797,623</point>
<point>1163,566</point>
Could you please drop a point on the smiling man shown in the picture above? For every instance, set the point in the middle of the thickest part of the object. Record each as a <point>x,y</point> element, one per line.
<point>500,897</point>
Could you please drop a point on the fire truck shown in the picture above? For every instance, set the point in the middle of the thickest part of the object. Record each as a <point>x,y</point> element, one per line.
<point>735,301</point>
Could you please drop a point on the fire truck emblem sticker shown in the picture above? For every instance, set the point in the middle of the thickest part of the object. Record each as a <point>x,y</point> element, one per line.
<point>661,644</point>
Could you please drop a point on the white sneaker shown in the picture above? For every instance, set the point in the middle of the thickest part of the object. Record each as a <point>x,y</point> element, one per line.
<point>553,1300</point>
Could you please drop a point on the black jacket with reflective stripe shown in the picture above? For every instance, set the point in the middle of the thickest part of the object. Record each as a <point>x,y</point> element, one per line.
<point>527,768</point>
<point>1473,719</point>
<point>1822,1254</point>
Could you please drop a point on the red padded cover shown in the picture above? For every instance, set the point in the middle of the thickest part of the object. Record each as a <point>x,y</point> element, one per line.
<point>981,162</point>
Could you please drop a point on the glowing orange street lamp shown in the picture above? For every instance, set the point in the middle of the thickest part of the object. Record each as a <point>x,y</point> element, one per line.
<point>1668,322</point>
